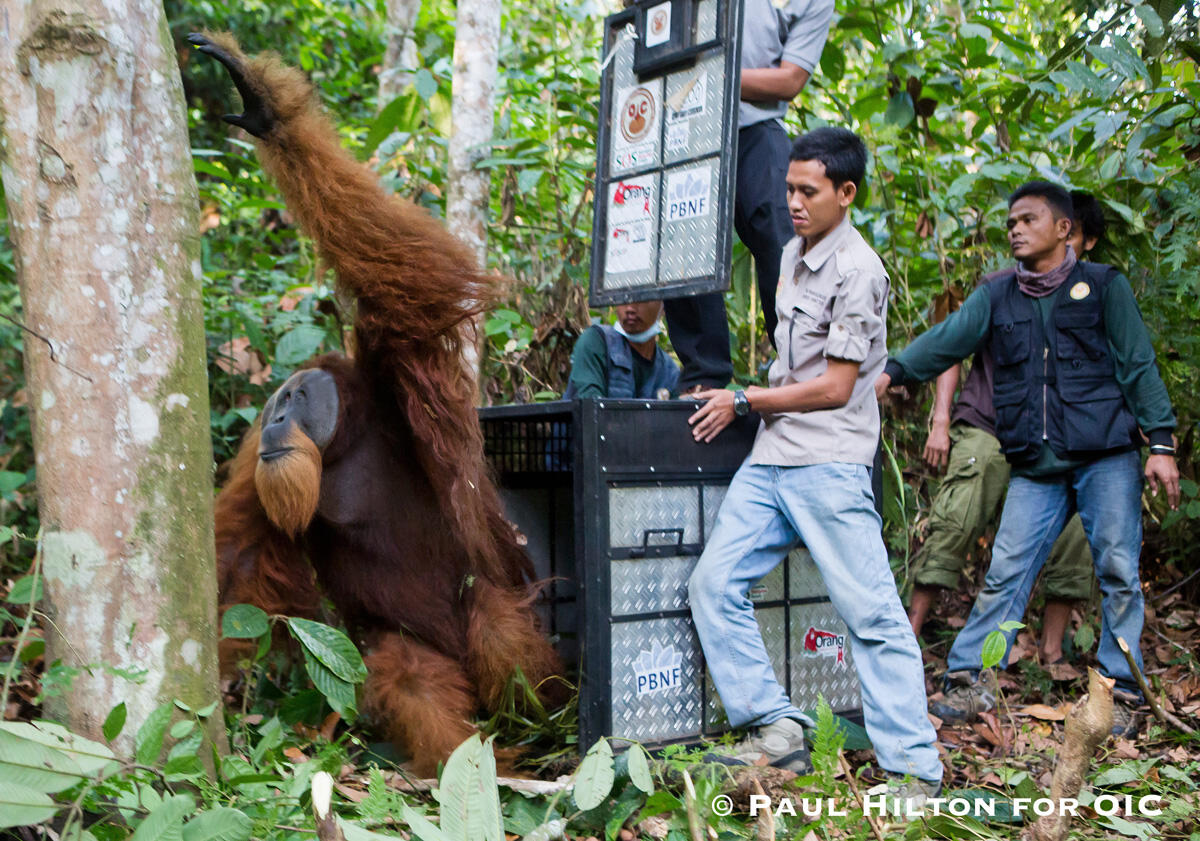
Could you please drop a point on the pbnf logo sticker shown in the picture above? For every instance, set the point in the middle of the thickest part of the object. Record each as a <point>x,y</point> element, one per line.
<point>818,643</point>
<point>658,670</point>
<point>637,115</point>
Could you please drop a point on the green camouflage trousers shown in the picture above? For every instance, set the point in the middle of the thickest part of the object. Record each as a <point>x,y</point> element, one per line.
<point>968,500</point>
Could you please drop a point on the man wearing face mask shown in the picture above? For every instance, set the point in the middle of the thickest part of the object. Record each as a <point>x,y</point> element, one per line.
<point>1074,378</point>
<point>624,359</point>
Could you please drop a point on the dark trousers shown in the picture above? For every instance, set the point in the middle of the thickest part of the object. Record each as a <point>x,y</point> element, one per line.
<point>698,326</point>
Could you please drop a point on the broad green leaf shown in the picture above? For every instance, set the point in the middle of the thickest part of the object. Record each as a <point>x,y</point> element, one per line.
<point>207,710</point>
<point>639,768</point>
<point>298,344</point>
<point>1084,637</point>
<point>339,693</point>
<point>1117,775</point>
<point>974,30</point>
<point>24,591</point>
<point>149,740</point>
<point>244,621</point>
<point>6,534</point>
<point>354,832</point>
<point>165,823</point>
<point>900,110</point>
<point>994,647</point>
<point>421,827</point>
<point>1011,625</point>
<point>594,779</point>
<point>468,794</point>
<point>333,648</point>
<point>220,824</point>
<point>115,722</point>
<point>401,114</point>
<point>93,758</point>
<point>424,84</point>
<point>22,806</point>
<point>182,727</point>
<point>36,766</point>
<point>10,480</point>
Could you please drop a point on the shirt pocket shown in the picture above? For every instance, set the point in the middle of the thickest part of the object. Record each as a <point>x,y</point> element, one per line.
<point>1011,342</point>
<point>1080,336</point>
<point>809,322</point>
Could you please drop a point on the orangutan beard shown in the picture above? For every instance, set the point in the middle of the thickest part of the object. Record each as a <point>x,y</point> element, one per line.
<point>289,485</point>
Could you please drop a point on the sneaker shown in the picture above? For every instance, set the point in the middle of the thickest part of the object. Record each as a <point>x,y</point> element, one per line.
<point>907,796</point>
<point>966,696</point>
<point>1126,717</point>
<point>779,744</point>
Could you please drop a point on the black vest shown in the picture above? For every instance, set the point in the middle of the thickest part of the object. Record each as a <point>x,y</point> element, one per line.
<point>1062,387</point>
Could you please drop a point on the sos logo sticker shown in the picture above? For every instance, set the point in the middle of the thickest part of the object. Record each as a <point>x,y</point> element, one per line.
<point>637,115</point>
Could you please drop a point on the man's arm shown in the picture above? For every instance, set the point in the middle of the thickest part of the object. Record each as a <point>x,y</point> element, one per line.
<point>937,445</point>
<point>1143,388</point>
<point>769,83</point>
<point>942,345</point>
<point>589,364</point>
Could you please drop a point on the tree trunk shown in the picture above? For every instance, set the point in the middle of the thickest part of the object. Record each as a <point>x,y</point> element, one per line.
<point>400,58</point>
<point>476,58</point>
<point>102,201</point>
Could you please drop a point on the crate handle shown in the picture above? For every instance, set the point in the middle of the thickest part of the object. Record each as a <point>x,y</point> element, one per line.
<point>641,552</point>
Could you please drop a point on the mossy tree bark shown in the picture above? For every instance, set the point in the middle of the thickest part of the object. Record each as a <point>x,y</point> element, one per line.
<point>102,202</point>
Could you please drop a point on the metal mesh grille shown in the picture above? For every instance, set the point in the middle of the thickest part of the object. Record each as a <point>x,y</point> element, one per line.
<point>527,446</point>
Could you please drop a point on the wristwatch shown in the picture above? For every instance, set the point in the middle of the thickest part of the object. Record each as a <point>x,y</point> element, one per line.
<point>741,403</point>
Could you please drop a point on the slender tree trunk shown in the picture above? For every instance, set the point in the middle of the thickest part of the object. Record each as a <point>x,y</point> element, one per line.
<point>102,201</point>
<point>476,59</point>
<point>400,58</point>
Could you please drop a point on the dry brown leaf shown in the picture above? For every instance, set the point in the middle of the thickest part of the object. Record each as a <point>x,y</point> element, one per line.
<point>1042,711</point>
<point>354,795</point>
<point>295,754</point>
<point>1126,749</point>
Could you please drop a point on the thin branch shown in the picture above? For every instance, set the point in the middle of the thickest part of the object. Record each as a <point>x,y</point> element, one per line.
<point>53,353</point>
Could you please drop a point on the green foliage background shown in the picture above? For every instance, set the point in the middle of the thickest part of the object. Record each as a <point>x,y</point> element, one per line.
<point>958,102</point>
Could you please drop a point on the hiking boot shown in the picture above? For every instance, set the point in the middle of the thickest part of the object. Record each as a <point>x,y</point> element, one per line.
<point>779,744</point>
<point>966,696</point>
<point>907,796</point>
<point>1126,717</point>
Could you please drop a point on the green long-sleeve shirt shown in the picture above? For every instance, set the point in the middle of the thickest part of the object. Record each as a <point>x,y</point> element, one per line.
<point>965,330</point>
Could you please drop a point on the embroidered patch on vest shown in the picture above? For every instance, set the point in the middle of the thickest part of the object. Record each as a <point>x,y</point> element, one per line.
<point>1080,291</point>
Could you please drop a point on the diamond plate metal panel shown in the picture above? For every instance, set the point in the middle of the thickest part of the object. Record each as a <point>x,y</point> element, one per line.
<point>706,20</point>
<point>713,496</point>
<point>624,79</point>
<point>655,680</point>
<point>769,588</point>
<point>649,584</point>
<point>633,511</point>
<point>804,579</point>
<point>772,623</point>
<point>819,672</point>
<point>694,127</point>
<point>687,244</point>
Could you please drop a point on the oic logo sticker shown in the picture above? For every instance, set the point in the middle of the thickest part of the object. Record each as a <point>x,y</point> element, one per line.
<point>818,643</point>
<point>637,115</point>
<point>1080,291</point>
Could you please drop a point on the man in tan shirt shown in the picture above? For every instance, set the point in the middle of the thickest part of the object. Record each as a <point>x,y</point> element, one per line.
<point>807,480</point>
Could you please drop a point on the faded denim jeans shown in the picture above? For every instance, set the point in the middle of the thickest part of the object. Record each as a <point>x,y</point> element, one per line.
<point>767,512</point>
<point>1108,495</point>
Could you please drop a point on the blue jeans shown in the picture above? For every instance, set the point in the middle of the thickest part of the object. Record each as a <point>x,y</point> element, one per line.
<point>767,512</point>
<point>1108,495</point>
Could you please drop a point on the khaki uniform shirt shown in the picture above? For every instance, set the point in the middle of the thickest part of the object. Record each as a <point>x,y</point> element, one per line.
<point>831,303</point>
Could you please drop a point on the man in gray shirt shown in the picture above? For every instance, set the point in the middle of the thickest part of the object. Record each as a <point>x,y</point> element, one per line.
<point>782,42</point>
<point>807,479</point>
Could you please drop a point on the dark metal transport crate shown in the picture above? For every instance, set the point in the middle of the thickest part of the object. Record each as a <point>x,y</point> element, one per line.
<point>616,501</point>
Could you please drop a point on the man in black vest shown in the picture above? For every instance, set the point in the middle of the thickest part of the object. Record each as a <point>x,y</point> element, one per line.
<point>623,360</point>
<point>1074,380</point>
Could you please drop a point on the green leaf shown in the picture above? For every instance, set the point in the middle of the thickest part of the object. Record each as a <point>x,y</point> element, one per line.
<point>6,534</point>
<point>24,590</point>
<point>421,827</point>
<point>994,648</point>
<point>333,648</point>
<point>298,344</point>
<point>1150,20</point>
<point>339,693</point>
<point>1084,637</point>
<point>468,794</point>
<point>115,722</point>
<point>1011,625</point>
<point>23,806</point>
<point>244,621</point>
<point>401,114</point>
<point>93,758</point>
<point>165,823</point>
<point>639,768</point>
<point>974,30</point>
<point>900,110</point>
<point>207,710</point>
<point>354,832</point>
<point>594,779</point>
<point>10,480</point>
<point>149,740</point>
<point>424,84</point>
<point>36,766</point>
<point>182,727</point>
<point>1117,775</point>
<point>219,824</point>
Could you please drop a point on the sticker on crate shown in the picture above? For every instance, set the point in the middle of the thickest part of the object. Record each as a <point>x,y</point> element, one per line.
<point>658,670</point>
<point>818,643</point>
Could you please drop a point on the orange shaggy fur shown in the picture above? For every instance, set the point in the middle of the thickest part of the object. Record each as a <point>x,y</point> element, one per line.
<point>417,555</point>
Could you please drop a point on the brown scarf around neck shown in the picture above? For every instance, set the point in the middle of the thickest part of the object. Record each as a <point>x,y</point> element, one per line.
<point>1041,285</point>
